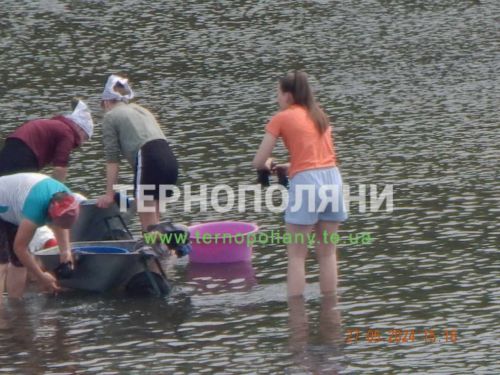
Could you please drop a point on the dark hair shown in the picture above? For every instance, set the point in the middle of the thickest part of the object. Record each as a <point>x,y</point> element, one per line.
<point>120,88</point>
<point>74,102</point>
<point>297,84</point>
<point>59,196</point>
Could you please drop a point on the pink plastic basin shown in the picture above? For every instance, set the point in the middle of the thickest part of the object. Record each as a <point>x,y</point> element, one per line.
<point>221,242</point>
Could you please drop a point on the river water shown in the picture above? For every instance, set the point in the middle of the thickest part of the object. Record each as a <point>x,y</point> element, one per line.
<point>413,87</point>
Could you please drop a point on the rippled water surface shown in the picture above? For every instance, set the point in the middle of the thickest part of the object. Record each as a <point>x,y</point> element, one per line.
<point>414,90</point>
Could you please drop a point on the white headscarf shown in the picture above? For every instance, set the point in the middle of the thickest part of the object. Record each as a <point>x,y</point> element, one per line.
<point>81,116</point>
<point>109,92</point>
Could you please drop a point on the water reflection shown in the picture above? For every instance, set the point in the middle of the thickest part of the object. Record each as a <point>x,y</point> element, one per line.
<point>32,339</point>
<point>81,332</point>
<point>221,278</point>
<point>316,351</point>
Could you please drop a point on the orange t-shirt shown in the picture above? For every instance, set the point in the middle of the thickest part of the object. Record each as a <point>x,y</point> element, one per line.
<point>308,149</point>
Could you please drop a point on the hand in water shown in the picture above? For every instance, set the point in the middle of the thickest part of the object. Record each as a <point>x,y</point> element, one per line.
<point>49,283</point>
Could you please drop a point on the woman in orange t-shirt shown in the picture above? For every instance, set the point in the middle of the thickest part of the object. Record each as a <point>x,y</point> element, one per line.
<point>315,195</point>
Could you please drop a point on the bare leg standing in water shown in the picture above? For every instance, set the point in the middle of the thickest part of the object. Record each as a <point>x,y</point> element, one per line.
<point>326,254</point>
<point>312,352</point>
<point>297,254</point>
<point>3,273</point>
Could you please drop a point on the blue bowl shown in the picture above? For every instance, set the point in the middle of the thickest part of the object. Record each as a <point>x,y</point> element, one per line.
<point>99,250</point>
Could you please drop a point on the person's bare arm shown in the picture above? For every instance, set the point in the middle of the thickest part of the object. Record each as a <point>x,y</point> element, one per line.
<point>107,199</point>
<point>24,235</point>
<point>60,173</point>
<point>260,161</point>
<point>63,242</point>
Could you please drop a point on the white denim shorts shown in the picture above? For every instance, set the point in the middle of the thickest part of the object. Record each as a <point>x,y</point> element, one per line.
<point>316,195</point>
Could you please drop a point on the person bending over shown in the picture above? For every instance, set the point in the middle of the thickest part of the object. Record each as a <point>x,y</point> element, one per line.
<point>29,201</point>
<point>130,130</point>
<point>42,142</point>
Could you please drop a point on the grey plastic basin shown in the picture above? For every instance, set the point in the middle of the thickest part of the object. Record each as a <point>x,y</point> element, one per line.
<point>96,272</point>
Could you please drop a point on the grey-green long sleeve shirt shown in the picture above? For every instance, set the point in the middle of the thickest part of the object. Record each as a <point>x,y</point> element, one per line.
<point>126,128</point>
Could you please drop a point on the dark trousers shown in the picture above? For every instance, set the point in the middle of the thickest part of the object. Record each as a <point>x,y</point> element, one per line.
<point>17,157</point>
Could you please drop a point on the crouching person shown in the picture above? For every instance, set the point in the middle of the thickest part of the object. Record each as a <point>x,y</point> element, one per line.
<point>27,202</point>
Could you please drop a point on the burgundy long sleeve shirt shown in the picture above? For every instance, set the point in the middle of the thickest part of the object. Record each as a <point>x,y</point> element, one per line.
<point>51,140</point>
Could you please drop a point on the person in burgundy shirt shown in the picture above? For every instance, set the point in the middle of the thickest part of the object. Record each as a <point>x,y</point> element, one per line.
<point>42,142</point>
